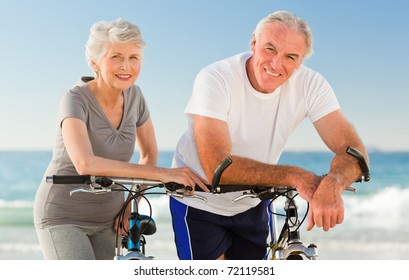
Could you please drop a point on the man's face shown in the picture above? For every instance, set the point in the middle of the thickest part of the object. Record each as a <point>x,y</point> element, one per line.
<point>277,52</point>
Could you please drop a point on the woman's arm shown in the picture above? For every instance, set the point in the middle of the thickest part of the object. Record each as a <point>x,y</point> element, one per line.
<point>78,145</point>
<point>146,142</point>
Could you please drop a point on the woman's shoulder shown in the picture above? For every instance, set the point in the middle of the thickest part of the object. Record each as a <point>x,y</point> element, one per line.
<point>81,85</point>
<point>78,92</point>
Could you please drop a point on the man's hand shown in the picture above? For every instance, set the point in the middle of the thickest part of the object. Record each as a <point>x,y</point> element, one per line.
<point>326,206</point>
<point>305,182</point>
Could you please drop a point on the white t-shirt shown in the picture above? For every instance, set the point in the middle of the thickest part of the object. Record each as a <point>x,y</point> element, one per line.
<point>259,124</point>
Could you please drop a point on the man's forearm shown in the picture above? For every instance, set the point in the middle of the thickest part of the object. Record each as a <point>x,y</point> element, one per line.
<point>246,171</point>
<point>345,168</point>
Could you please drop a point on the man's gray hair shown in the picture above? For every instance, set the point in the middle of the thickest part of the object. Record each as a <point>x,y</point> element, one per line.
<point>291,21</point>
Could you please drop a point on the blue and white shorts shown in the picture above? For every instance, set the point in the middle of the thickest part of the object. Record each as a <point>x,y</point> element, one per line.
<point>201,235</point>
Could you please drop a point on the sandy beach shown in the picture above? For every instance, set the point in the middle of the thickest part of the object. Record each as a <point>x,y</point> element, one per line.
<point>23,244</point>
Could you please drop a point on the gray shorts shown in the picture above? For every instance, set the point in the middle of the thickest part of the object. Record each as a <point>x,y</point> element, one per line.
<point>75,242</point>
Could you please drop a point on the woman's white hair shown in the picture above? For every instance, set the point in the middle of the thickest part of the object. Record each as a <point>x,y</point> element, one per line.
<point>291,21</point>
<point>104,33</point>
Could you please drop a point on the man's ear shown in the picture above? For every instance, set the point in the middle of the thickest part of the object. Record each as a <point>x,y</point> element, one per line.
<point>253,43</point>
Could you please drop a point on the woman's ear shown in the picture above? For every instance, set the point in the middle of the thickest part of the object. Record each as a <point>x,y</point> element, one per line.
<point>94,67</point>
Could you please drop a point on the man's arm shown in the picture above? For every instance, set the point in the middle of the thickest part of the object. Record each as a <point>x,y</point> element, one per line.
<point>337,133</point>
<point>214,144</point>
<point>327,208</point>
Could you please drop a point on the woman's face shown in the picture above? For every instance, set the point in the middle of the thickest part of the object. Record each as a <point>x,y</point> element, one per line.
<point>120,66</point>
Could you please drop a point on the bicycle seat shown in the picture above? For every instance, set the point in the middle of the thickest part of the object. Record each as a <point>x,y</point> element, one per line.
<point>148,225</point>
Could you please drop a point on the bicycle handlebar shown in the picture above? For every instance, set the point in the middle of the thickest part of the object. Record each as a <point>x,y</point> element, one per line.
<point>106,182</point>
<point>102,180</point>
<point>171,186</point>
<point>102,183</point>
<point>70,179</point>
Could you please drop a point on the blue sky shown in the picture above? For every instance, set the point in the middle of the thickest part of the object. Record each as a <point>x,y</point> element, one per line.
<point>361,47</point>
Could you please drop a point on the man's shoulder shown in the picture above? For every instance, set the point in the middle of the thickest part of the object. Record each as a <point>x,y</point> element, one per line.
<point>227,66</point>
<point>232,61</point>
<point>305,73</point>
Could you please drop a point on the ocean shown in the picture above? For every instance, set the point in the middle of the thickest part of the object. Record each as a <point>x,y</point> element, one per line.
<point>376,225</point>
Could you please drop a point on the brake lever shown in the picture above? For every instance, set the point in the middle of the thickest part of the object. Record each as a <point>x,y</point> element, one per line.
<point>198,197</point>
<point>262,194</point>
<point>91,189</point>
<point>182,194</point>
<point>245,195</point>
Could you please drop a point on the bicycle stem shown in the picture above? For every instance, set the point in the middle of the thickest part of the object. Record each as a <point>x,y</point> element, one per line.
<point>134,243</point>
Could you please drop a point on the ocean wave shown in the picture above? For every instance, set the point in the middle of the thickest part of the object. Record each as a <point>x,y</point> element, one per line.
<point>389,202</point>
<point>20,247</point>
<point>16,203</point>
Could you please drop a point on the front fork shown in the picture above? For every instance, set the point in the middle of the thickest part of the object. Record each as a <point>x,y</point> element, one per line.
<point>134,237</point>
<point>290,246</point>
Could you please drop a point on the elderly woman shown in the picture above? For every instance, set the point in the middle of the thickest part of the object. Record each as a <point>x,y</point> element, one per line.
<point>99,122</point>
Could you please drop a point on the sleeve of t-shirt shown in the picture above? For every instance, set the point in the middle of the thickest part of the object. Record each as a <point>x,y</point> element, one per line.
<point>72,105</point>
<point>210,95</point>
<point>320,97</point>
<point>143,110</point>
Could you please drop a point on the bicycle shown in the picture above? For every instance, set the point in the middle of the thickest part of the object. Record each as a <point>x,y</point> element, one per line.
<point>286,245</point>
<point>132,245</point>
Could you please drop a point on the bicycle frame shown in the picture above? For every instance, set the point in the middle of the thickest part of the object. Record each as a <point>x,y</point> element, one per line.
<point>135,241</point>
<point>288,245</point>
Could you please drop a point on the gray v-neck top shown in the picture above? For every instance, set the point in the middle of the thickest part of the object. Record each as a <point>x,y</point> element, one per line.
<point>53,204</point>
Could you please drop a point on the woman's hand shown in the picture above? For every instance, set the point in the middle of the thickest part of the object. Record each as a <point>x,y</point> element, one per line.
<point>184,176</point>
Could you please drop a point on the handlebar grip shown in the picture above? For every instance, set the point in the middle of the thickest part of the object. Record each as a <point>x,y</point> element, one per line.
<point>175,186</point>
<point>362,164</point>
<point>219,171</point>
<point>171,186</point>
<point>69,179</point>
